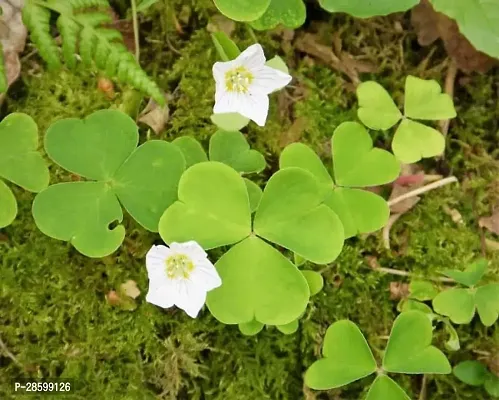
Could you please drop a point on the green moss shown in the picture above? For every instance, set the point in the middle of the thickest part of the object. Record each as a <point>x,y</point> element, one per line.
<point>53,309</point>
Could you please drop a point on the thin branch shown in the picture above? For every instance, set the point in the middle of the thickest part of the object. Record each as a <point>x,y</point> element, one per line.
<point>422,393</point>
<point>450,80</point>
<point>409,274</point>
<point>421,190</point>
<point>386,230</point>
<point>7,352</point>
<point>136,30</point>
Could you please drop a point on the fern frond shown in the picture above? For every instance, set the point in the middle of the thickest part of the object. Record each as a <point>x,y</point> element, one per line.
<point>37,20</point>
<point>3,75</point>
<point>82,32</point>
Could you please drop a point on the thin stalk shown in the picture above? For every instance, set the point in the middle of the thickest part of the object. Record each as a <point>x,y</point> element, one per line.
<point>135,29</point>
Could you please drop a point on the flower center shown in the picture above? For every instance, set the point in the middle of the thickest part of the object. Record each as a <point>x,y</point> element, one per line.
<point>238,80</point>
<point>179,266</point>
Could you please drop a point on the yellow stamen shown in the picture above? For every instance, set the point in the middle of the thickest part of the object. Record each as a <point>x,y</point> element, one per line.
<point>179,266</point>
<point>238,80</point>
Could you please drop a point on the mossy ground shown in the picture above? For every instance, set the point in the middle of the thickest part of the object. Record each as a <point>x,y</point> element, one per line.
<point>53,310</point>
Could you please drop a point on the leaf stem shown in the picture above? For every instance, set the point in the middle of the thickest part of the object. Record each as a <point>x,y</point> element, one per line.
<point>409,274</point>
<point>421,190</point>
<point>135,29</point>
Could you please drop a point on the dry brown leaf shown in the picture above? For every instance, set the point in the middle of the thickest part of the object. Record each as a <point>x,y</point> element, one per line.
<point>398,290</point>
<point>411,178</point>
<point>130,289</point>
<point>294,133</point>
<point>155,116</point>
<point>454,214</point>
<point>220,23</point>
<point>490,223</point>
<point>491,245</point>
<point>13,35</point>
<point>431,25</point>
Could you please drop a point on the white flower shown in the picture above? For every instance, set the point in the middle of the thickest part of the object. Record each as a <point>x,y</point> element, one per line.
<point>243,85</point>
<point>180,275</point>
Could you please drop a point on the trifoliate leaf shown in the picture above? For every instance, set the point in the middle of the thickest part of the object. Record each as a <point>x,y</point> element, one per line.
<point>242,10</point>
<point>347,358</point>
<point>413,141</point>
<point>471,372</point>
<point>292,214</point>
<point>260,284</point>
<point>457,304</point>
<point>424,100</point>
<point>363,9</point>
<point>377,109</point>
<point>471,275</point>
<point>191,149</point>
<point>409,349</point>
<point>385,388</point>
<point>232,148</point>
<point>213,208</point>
<point>289,13</point>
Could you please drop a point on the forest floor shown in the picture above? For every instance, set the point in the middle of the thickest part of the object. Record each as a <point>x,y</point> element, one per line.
<point>55,320</point>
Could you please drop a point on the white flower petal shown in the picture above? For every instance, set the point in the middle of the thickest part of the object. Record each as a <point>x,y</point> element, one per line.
<point>161,295</point>
<point>252,57</point>
<point>220,69</point>
<point>206,276</point>
<point>190,297</point>
<point>155,261</point>
<point>268,80</point>
<point>226,102</point>
<point>191,249</point>
<point>254,107</point>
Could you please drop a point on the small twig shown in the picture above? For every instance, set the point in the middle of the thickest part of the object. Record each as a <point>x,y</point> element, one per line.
<point>450,80</point>
<point>7,352</point>
<point>386,230</point>
<point>422,393</point>
<point>421,190</point>
<point>409,274</point>
<point>135,29</point>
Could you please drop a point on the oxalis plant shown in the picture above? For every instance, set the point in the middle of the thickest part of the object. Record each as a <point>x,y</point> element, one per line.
<point>348,358</point>
<point>477,21</point>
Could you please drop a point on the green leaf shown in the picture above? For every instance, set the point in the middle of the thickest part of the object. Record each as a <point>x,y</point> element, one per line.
<point>145,4</point>
<point>242,10</point>
<point>452,343</point>
<point>191,149</point>
<point>290,328</point>
<point>254,193</point>
<point>360,211</point>
<point>413,305</point>
<point>477,20</point>
<point>226,48</point>
<point>385,388</point>
<point>413,141</point>
<point>409,349</point>
<point>422,290</point>
<point>213,208</point>
<point>94,147</point>
<point>347,358</point>
<point>363,9</point>
<point>230,122</point>
<point>8,205</point>
<point>146,184</point>
<point>457,304</point>
<point>471,275</point>
<point>81,213</point>
<point>356,163</point>
<point>292,214</point>
<point>290,13</point>
<point>250,328</point>
<point>232,148</point>
<point>424,100</point>
<point>377,109</point>
<point>298,260</point>
<point>471,372</point>
<point>491,385</point>
<point>487,303</point>
<point>20,162</point>
<point>315,281</point>
<point>278,64</point>
<point>260,284</point>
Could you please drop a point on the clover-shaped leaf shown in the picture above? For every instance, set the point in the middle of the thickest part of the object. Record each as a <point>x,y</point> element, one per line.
<point>260,284</point>
<point>242,10</point>
<point>290,13</point>
<point>363,9</point>
<point>422,290</point>
<point>471,372</point>
<point>213,208</point>
<point>471,275</point>
<point>385,388</point>
<point>232,149</point>
<point>144,180</point>
<point>254,193</point>
<point>291,213</point>
<point>251,328</point>
<point>191,149</point>
<point>409,349</point>
<point>423,100</point>
<point>20,162</point>
<point>315,281</point>
<point>356,164</point>
<point>347,358</point>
